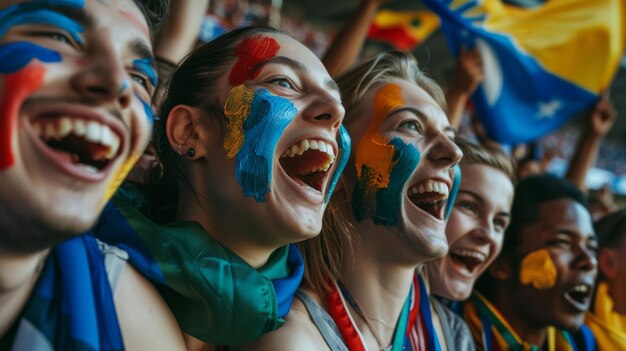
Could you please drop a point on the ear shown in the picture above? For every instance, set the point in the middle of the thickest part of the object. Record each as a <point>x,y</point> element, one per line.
<point>185,129</point>
<point>501,268</point>
<point>607,262</point>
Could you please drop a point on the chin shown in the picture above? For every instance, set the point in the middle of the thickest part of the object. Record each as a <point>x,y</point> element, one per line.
<point>571,322</point>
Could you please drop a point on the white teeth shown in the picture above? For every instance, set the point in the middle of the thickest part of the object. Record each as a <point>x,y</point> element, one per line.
<point>306,144</point>
<point>49,131</point>
<point>581,288</point>
<point>80,128</point>
<point>65,127</point>
<point>430,186</point>
<point>84,167</point>
<point>92,131</point>
<point>470,253</point>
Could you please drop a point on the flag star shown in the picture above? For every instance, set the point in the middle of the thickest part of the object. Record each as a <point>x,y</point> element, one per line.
<point>548,109</point>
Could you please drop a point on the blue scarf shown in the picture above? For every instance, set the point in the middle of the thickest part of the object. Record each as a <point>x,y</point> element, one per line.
<point>71,307</point>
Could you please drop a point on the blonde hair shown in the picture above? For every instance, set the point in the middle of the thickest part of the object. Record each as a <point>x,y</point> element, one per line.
<point>323,254</point>
<point>492,156</point>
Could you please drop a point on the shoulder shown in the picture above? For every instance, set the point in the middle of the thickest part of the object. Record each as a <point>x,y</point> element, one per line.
<point>455,325</point>
<point>298,333</point>
<point>146,321</point>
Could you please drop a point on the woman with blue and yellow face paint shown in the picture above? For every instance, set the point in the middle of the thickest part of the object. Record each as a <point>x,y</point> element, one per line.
<point>251,135</point>
<point>387,218</point>
<point>76,77</point>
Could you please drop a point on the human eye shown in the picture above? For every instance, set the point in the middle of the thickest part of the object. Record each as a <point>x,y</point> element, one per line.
<point>143,81</point>
<point>56,36</point>
<point>282,82</point>
<point>500,224</point>
<point>411,125</point>
<point>561,241</point>
<point>467,206</point>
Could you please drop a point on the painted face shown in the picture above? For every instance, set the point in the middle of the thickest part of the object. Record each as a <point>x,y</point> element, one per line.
<point>403,164</point>
<point>564,231</point>
<point>75,80</point>
<point>475,231</point>
<point>283,140</point>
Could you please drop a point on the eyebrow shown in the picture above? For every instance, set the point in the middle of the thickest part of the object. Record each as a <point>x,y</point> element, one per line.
<point>572,234</point>
<point>480,199</point>
<point>297,66</point>
<point>423,117</point>
<point>141,49</point>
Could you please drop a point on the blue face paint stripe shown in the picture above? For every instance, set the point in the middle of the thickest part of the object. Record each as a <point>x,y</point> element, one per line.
<point>147,108</point>
<point>389,200</point>
<point>268,118</point>
<point>384,205</point>
<point>345,144</point>
<point>146,66</point>
<point>455,189</point>
<point>32,13</point>
<point>14,56</point>
<point>68,3</point>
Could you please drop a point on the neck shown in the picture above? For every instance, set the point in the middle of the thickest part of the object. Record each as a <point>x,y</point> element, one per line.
<point>503,299</point>
<point>18,276</point>
<point>378,284</point>
<point>245,243</point>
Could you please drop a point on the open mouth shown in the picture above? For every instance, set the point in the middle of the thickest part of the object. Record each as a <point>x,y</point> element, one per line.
<point>467,259</point>
<point>430,196</point>
<point>308,161</point>
<point>88,144</point>
<point>579,296</point>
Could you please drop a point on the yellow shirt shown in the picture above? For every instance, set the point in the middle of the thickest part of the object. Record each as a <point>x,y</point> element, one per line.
<point>608,326</point>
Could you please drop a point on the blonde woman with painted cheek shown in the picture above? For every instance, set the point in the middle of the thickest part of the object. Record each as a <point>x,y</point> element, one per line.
<point>251,136</point>
<point>361,289</point>
<point>479,217</point>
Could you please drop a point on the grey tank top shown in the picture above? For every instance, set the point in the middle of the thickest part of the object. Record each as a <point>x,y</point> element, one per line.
<point>324,323</point>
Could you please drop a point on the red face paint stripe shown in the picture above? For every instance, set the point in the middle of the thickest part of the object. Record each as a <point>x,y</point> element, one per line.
<point>251,52</point>
<point>17,86</point>
<point>136,21</point>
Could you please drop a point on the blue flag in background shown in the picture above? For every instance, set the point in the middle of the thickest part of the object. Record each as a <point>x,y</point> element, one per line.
<point>542,65</point>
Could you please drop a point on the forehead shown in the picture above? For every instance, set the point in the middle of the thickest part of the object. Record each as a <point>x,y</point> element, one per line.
<point>123,16</point>
<point>490,183</point>
<point>566,214</point>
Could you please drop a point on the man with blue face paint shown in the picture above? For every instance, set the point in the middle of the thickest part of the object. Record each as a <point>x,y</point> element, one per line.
<point>76,79</point>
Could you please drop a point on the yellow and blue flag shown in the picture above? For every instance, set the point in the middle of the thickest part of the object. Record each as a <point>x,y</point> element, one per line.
<point>542,65</point>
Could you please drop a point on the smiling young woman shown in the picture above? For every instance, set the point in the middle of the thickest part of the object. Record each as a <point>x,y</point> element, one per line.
<point>252,142</point>
<point>387,218</point>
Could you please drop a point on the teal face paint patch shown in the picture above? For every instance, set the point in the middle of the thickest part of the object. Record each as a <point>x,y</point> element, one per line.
<point>268,118</point>
<point>384,205</point>
<point>455,189</point>
<point>345,144</point>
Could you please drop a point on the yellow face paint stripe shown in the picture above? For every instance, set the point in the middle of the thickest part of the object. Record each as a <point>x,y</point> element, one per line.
<point>119,177</point>
<point>236,110</point>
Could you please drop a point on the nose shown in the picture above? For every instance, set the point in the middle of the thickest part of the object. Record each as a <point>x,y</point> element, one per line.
<point>586,259</point>
<point>484,233</point>
<point>324,109</point>
<point>104,79</point>
<point>445,152</point>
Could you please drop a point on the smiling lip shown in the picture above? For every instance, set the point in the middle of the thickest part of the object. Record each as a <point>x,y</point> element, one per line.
<point>62,162</point>
<point>578,296</point>
<point>429,196</point>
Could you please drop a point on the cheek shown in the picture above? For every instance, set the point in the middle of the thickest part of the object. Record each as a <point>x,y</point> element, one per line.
<point>538,269</point>
<point>458,225</point>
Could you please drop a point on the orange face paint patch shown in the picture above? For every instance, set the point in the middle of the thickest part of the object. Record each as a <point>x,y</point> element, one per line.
<point>251,52</point>
<point>537,269</point>
<point>374,150</point>
<point>236,110</point>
